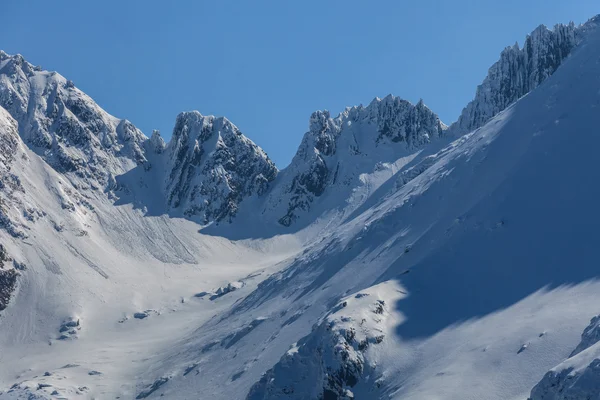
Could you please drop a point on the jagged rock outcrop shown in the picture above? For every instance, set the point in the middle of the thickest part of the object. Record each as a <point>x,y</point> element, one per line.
<point>589,337</point>
<point>336,150</point>
<point>519,71</point>
<point>334,357</point>
<point>10,183</point>
<point>156,143</point>
<point>8,278</point>
<point>65,126</point>
<point>212,167</point>
<point>577,378</point>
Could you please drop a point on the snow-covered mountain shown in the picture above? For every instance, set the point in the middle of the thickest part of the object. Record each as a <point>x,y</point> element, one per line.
<point>395,257</point>
<point>210,167</point>
<point>335,152</point>
<point>65,126</point>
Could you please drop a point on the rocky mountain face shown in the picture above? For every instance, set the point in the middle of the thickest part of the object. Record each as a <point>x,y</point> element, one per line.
<point>65,126</point>
<point>577,378</point>
<point>8,278</point>
<point>519,71</point>
<point>335,151</point>
<point>211,167</point>
<point>337,356</point>
<point>9,184</point>
<point>11,189</point>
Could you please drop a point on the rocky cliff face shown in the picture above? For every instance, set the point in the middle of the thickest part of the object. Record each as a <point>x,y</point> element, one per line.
<point>577,378</point>
<point>212,167</point>
<point>336,150</point>
<point>65,126</point>
<point>10,184</point>
<point>519,71</point>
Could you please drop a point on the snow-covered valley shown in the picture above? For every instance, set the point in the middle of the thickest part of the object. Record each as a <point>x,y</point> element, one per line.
<point>395,258</point>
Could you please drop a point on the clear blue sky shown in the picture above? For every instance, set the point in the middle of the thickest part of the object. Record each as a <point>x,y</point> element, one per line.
<point>266,65</point>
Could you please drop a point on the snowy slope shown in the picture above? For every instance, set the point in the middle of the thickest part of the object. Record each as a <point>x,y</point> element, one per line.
<point>491,245</point>
<point>106,287</point>
<point>428,265</point>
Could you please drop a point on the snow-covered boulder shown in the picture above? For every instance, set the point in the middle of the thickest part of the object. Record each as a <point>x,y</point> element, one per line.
<point>337,355</point>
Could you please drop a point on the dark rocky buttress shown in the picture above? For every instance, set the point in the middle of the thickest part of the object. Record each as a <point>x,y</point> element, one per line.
<point>212,167</point>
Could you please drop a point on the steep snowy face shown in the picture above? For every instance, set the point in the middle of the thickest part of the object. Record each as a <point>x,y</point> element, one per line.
<point>65,126</point>
<point>577,378</point>
<point>335,151</point>
<point>519,71</point>
<point>211,167</point>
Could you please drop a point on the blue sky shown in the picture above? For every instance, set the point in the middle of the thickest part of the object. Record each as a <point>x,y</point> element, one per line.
<point>267,65</point>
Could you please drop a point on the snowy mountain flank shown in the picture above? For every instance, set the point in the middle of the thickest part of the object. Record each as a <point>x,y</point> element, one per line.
<point>396,257</point>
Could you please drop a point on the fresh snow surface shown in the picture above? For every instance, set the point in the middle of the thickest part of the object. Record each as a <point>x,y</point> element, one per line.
<point>467,272</point>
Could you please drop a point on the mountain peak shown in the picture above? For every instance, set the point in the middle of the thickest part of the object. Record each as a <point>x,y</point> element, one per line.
<point>65,126</point>
<point>212,167</point>
<point>157,143</point>
<point>335,151</point>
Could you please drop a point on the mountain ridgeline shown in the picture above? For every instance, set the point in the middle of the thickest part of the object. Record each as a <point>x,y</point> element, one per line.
<point>395,257</point>
<point>209,168</point>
